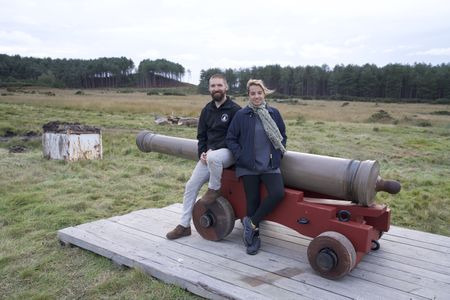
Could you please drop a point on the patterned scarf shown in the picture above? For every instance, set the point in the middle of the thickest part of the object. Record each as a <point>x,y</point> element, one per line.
<point>271,129</point>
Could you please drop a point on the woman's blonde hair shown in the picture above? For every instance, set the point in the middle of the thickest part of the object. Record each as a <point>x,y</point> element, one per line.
<point>259,83</point>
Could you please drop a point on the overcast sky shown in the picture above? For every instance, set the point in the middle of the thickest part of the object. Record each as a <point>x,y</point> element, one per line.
<point>230,33</point>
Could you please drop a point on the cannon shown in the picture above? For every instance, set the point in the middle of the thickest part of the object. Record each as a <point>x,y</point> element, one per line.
<point>326,198</point>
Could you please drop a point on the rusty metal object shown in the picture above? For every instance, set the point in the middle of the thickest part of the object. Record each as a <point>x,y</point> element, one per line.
<point>332,255</point>
<point>213,221</point>
<point>71,141</point>
<point>346,179</point>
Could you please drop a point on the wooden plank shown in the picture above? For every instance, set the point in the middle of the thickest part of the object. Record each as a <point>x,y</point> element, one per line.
<point>201,260</point>
<point>417,258</point>
<point>428,256</point>
<point>279,255</point>
<point>427,259</point>
<point>280,270</point>
<point>157,265</point>
<point>416,243</point>
<point>422,258</point>
<point>383,263</point>
<point>382,274</point>
<point>430,259</point>
<point>229,256</point>
<point>396,260</point>
<point>430,238</point>
<point>401,271</point>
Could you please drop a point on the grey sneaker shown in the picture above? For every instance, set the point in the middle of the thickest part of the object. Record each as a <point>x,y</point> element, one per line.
<point>249,231</point>
<point>253,248</point>
<point>178,232</point>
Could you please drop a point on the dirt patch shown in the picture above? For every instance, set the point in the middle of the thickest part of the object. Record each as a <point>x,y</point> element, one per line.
<point>63,127</point>
<point>28,136</point>
<point>9,134</point>
<point>32,134</point>
<point>17,149</point>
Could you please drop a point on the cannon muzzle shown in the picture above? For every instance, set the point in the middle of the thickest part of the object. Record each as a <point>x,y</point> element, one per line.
<point>150,142</point>
<point>346,179</point>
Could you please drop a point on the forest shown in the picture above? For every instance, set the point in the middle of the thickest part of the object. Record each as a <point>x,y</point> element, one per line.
<point>419,82</point>
<point>391,83</point>
<point>93,73</point>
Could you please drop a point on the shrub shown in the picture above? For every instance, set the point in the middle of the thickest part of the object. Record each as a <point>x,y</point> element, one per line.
<point>424,123</point>
<point>173,94</point>
<point>300,120</point>
<point>442,101</point>
<point>381,116</point>
<point>441,113</point>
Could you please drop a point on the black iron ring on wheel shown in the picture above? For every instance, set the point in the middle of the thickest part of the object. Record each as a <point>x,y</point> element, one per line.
<point>213,221</point>
<point>332,255</point>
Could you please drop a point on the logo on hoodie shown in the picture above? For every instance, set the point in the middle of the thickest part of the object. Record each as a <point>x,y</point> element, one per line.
<point>224,118</point>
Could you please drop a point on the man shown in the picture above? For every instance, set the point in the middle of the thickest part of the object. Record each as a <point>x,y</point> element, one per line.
<point>213,154</point>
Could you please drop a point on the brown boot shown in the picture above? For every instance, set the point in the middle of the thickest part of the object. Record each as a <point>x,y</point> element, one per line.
<point>178,232</point>
<point>210,196</point>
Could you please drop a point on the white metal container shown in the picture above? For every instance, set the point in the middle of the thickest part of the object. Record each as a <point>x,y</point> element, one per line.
<point>71,142</point>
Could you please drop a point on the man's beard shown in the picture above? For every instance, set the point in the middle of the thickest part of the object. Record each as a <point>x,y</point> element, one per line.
<point>218,96</point>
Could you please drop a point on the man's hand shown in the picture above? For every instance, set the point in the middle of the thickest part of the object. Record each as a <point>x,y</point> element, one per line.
<point>203,157</point>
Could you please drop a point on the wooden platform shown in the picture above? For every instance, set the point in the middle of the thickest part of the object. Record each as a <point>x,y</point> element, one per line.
<point>409,265</point>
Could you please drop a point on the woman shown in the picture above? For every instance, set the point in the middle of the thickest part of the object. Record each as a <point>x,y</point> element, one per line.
<point>257,139</point>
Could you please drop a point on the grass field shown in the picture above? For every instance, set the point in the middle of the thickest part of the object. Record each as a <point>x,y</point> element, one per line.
<point>39,196</point>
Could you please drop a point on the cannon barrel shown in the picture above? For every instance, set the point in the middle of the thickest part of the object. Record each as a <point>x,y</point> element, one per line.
<point>346,179</point>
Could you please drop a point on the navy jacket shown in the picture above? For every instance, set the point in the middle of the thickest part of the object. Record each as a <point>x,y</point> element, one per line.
<point>241,137</point>
<point>213,125</point>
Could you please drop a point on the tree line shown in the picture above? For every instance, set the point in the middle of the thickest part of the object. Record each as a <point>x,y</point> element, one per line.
<point>159,72</point>
<point>91,73</point>
<point>409,83</point>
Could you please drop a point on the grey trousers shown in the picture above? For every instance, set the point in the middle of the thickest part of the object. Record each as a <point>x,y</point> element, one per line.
<point>217,160</point>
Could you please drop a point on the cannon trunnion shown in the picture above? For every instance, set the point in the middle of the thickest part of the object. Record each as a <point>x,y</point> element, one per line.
<point>328,199</point>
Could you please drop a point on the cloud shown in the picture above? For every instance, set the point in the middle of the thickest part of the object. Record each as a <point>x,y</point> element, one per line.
<point>18,42</point>
<point>400,48</point>
<point>202,34</point>
<point>17,37</point>
<point>435,52</point>
<point>321,51</point>
<point>245,63</point>
<point>359,39</point>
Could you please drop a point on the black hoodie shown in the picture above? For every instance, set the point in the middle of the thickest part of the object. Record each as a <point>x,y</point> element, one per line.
<point>213,125</point>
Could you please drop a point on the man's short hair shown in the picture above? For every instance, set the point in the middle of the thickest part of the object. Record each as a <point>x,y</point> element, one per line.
<point>221,76</point>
